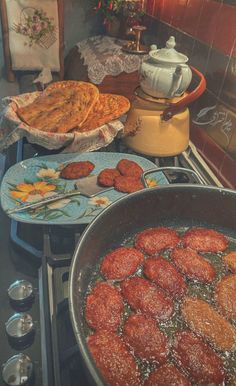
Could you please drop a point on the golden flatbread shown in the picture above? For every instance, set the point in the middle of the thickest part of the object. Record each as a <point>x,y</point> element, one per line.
<point>61,107</point>
<point>107,108</point>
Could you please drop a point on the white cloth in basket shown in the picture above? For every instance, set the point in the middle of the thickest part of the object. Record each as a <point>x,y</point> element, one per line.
<point>12,129</point>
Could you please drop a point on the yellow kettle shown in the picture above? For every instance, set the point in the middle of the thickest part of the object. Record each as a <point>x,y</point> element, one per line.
<point>160,127</point>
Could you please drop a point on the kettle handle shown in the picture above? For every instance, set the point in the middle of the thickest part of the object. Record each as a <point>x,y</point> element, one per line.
<point>176,108</point>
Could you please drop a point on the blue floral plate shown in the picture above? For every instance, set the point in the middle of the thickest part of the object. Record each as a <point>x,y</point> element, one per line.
<point>34,178</point>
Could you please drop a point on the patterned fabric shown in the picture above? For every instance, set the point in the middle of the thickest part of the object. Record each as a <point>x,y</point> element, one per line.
<point>33,34</point>
<point>104,56</point>
<point>12,129</point>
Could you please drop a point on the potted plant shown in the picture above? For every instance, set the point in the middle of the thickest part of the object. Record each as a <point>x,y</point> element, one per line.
<point>115,12</point>
<point>111,11</point>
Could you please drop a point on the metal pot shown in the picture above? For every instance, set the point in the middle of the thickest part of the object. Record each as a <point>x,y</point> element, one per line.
<point>173,206</point>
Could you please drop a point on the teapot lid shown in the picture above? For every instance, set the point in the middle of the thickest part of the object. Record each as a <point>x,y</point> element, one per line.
<point>168,54</point>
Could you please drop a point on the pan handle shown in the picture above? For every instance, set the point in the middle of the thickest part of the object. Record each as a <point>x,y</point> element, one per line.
<point>176,108</point>
<point>198,179</point>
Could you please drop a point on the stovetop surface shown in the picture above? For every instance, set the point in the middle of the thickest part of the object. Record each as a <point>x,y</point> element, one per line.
<point>15,265</point>
<point>42,255</point>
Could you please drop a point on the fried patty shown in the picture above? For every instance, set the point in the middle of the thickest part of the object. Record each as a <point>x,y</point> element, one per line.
<point>121,263</point>
<point>194,266</point>
<point>154,240</point>
<point>129,168</point>
<point>198,359</point>
<point>230,261</point>
<point>204,320</point>
<point>107,177</point>
<point>147,298</point>
<point>104,307</point>
<point>205,240</point>
<point>225,295</point>
<point>76,170</point>
<point>127,184</point>
<point>113,359</point>
<point>145,338</point>
<point>165,275</point>
<point>167,375</point>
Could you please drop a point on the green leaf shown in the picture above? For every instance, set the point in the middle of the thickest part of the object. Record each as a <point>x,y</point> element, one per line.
<point>43,166</point>
<point>52,216</point>
<point>74,201</point>
<point>26,181</point>
<point>63,212</point>
<point>12,185</point>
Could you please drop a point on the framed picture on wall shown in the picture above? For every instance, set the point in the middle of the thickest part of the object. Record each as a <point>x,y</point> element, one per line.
<point>33,35</point>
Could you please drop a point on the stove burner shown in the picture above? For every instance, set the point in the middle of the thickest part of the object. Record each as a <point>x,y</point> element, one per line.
<point>41,260</point>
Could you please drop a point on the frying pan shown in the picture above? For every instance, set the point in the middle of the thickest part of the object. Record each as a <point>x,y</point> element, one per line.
<point>175,206</point>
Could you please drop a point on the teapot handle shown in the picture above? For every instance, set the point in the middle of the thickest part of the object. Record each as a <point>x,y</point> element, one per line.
<point>176,108</point>
<point>177,78</point>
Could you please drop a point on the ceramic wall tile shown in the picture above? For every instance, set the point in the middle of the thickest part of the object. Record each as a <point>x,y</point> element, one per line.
<point>208,20</point>
<point>192,16</point>
<point>221,126</point>
<point>164,32</point>
<point>232,2</point>
<point>228,172</point>
<point>234,49</point>
<point>200,56</point>
<point>150,7</point>
<point>198,137</point>
<point>210,152</point>
<point>228,92</point>
<point>186,45</point>
<point>230,131</point>
<point>215,154</point>
<point>167,11</point>
<point>203,109</point>
<point>226,29</point>
<point>158,6</point>
<point>179,7</point>
<point>215,73</point>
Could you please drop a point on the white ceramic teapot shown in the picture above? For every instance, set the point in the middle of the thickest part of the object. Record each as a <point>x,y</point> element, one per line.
<point>165,73</point>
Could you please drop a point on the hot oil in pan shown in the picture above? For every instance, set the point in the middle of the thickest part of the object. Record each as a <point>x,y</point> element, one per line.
<point>176,322</point>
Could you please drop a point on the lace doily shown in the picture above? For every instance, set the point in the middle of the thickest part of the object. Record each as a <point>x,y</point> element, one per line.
<point>104,56</point>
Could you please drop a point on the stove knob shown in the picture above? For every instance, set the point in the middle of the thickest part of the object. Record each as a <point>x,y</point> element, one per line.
<point>20,328</point>
<point>21,293</point>
<point>18,370</point>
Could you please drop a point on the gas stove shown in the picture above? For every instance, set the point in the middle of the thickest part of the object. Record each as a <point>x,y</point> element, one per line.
<point>38,347</point>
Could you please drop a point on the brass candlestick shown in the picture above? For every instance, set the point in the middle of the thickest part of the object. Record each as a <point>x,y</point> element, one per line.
<point>135,47</point>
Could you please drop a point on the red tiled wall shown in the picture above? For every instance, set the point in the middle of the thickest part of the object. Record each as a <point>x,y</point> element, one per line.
<point>210,21</point>
<point>206,32</point>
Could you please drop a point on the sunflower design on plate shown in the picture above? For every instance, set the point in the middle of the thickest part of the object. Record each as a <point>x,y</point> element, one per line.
<point>151,182</point>
<point>33,192</point>
<point>27,192</point>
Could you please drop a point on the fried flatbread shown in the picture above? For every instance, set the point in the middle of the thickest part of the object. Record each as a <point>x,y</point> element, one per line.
<point>107,108</point>
<point>61,107</point>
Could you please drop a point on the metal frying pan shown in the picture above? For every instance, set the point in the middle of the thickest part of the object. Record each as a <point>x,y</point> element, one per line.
<point>173,206</point>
